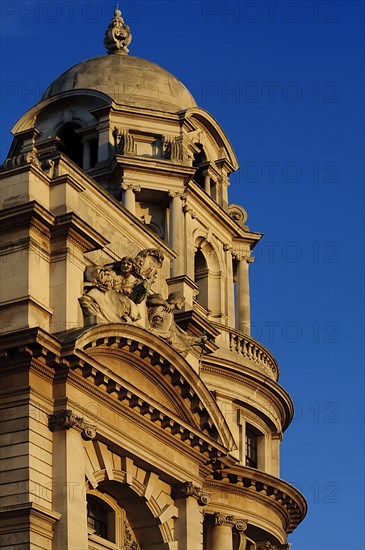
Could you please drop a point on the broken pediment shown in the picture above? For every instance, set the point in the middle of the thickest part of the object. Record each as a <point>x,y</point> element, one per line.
<point>147,375</point>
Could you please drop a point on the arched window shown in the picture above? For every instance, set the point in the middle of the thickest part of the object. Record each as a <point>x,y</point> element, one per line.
<point>107,523</point>
<point>70,143</point>
<point>100,518</point>
<point>201,278</point>
<point>199,161</point>
<point>254,447</point>
<point>251,447</point>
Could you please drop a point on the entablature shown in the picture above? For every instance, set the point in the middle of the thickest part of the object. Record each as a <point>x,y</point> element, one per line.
<point>199,201</point>
<point>245,386</point>
<point>275,493</point>
<point>84,353</point>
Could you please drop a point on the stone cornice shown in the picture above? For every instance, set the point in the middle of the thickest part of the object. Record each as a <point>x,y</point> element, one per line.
<point>145,165</point>
<point>157,414</point>
<point>106,430</point>
<point>35,340</point>
<point>115,109</point>
<point>159,355</point>
<point>27,509</point>
<point>25,300</point>
<point>206,202</point>
<point>238,373</point>
<point>72,227</point>
<point>32,215</point>
<point>283,496</point>
<point>23,168</point>
<point>36,344</point>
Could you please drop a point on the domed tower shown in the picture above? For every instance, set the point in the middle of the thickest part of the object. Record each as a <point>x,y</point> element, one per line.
<point>140,413</point>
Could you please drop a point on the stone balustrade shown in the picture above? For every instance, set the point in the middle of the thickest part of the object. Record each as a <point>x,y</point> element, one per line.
<point>248,351</point>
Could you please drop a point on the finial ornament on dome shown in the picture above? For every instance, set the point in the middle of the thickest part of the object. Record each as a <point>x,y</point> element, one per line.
<point>118,35</point>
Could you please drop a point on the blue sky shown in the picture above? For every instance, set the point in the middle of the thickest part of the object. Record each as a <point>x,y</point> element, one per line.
<point>285,81</point>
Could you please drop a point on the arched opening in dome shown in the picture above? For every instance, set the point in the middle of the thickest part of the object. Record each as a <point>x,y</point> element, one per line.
<point>200,159</point>
<point>70,143</point>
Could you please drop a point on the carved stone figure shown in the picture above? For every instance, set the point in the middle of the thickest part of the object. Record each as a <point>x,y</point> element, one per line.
<point>161,321</point>
<point>111,293</point>
<point>103,300</point>
<point>148,262</point>
<point>129,277</point>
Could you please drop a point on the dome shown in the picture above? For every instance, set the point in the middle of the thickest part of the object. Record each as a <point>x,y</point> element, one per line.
<point>128,80</point>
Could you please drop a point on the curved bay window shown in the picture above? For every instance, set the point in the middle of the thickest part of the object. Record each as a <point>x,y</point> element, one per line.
<point>251,447</point>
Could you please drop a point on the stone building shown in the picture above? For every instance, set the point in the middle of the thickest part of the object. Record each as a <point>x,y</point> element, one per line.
<point>137,410</point>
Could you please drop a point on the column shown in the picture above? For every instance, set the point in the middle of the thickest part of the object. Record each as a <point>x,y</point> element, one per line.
<point>220,532</point>
<point>129,199</point>
<point>189,499</point>
<point>229,289</point>
<point>207,183</point>
<point>243,295</point>
<point>86,155</point>
<point>177,233</point>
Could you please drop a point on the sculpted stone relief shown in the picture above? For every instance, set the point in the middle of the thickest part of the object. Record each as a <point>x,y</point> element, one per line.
<point>161,321</point>
<point>117,293</point>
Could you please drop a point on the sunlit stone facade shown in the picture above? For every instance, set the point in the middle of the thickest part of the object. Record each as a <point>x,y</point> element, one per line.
<point>137,410</point>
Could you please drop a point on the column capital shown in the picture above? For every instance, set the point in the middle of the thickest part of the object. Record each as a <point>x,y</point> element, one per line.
<point>131,187</point>
<point>187,489</point>
<point>266,545</point>
<point>66,419</point>
<point>217,519</point>
<point>179,194</point>
<point>243,257</point>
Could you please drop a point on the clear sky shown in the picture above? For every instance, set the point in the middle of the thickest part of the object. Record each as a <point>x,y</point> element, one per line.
<point>285,81</point>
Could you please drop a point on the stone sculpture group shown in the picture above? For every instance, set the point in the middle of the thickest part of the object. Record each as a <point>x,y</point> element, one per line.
<point>116,293</point>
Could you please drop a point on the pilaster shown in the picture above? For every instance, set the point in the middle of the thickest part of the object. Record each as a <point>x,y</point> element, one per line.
<point>69,478</point>
<point>189,499</point>
<point>177,232</point>
<point>71,238</point>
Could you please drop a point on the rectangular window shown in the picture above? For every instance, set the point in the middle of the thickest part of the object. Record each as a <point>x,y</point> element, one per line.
<point>251,447</point>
